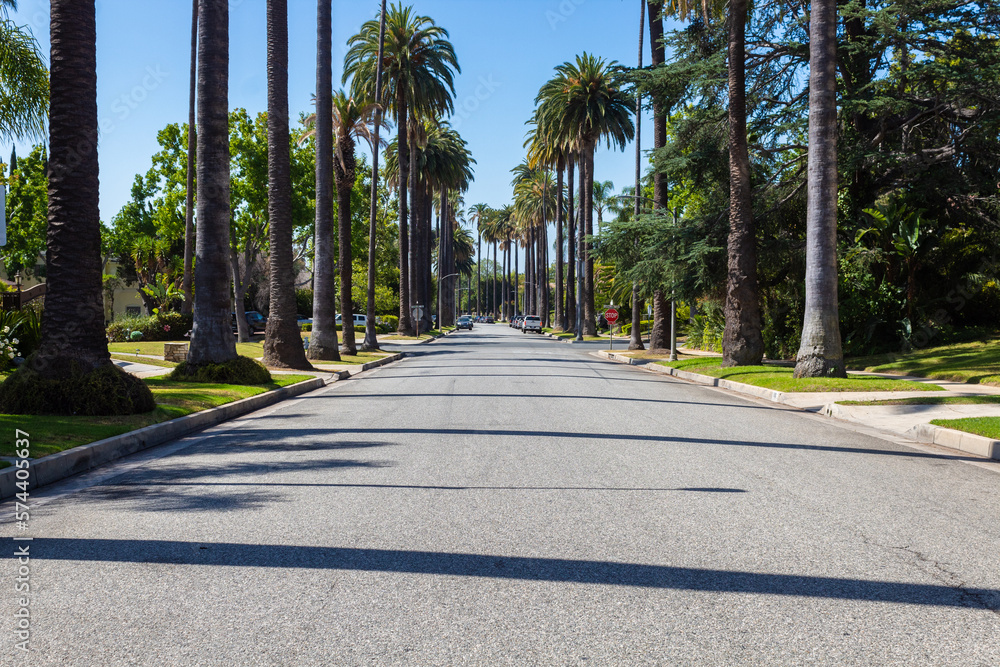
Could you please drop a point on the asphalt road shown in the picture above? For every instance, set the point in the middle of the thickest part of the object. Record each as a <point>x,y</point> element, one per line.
<point>502,498</point>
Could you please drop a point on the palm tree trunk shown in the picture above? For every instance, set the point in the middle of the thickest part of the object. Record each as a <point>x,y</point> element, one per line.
<point>282,341</point>
<point>742,344</point>
<point>569,317</point>
<point>479,274</point>
<point>189,240</point>
<point>659,335</point>
<point>635,339</point>
<point>587,229</point>
<point>821,352</point>
<point>344,177</point>
<point>371,341</point>
<point>73,340</point>
<point>212,336</point>
<point>493,290</point>
<point>323,344</point>
<point>406,325</point>
<point>560,311</point>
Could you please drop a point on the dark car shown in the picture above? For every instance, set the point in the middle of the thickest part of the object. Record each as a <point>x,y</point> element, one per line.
<point>255,321</point>
<point>464,322</point>
<point>489,319</point>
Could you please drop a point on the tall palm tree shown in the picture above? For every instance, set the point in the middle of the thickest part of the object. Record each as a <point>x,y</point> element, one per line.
<point>742,342</point>
<point>585,101</point>
<point>212,336</point>
<point>821,352</point>
<point>191,147</point>
<point>635,339</point>
<point>660,332</point>
<point>478,215</point>
<point>371,340</point>
<point>282,341</point>
<point>350,121</point>
<point>603,200</point>
<point>323,344</point>
<point>419,65</point>
<point>74,347</point>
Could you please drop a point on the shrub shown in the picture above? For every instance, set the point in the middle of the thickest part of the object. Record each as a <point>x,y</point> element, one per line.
<point>646,325</point>
<point>159,327</point>
<point>68,389</point>
<point>241,370</point>
<point>23,331</point>
<point>304,302</point>
<point>392,321</point>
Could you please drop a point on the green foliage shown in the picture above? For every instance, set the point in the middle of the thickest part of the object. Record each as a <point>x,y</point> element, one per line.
<point>23,331</point>
<point>27,214</point>
<point>24,80</point>
<point>391,321</point>
<point>644,325</point>
<point>304,302</point>
<point>241,370</point>
<point>66,389</point>
<point>161,326</point>
<point>706,332</point>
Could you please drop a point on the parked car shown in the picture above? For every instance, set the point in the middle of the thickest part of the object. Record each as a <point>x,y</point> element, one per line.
<point>255,321</point>
<point>532,323</point>
<point>464,322</point>
<point>515,322</point>
<point>359,320</point>
<point>489,319</point>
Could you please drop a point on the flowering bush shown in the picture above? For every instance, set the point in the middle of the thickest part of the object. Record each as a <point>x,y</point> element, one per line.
<point>162,326</point>
<point>8,348</point>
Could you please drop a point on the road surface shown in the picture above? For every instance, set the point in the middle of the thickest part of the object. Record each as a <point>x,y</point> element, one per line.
<point>501,498</point>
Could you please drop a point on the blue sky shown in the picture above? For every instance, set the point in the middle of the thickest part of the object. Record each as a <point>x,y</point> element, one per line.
<point>507,50</point>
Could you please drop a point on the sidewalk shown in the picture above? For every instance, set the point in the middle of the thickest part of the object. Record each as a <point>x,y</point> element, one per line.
<point>911,421</point>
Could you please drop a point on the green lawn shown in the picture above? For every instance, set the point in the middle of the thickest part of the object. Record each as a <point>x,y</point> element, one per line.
<point>254,350</point>
<point>985,426</point>
<point>930,400</point>
<point>976,363</point>
<point>779,378</point>
<point>49,434</point>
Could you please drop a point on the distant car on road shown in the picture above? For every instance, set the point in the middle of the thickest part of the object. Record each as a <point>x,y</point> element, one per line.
<point>489,319</point>
<point>532,323</point>
<point>464,322</point>
<point>359,320</point>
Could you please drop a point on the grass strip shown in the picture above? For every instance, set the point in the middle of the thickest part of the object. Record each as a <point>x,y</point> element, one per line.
<point>929,400</point>
<point>976,362</point>
<point>54,433</point>
<point>779,378</point>
<point>988,427</point>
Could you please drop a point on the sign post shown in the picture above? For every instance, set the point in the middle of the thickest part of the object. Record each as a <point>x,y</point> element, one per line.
<point>611,315</point>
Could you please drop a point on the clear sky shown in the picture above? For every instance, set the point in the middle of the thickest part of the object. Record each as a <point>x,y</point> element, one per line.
<point>507,49</point>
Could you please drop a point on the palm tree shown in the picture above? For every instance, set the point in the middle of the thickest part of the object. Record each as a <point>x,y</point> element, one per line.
<point>73,360</point>
<point>282,341</point>
<point>603,200</point>
<point>371,340</point>
<point>583,101</point>
<point>323,342</point>
<point>192,145</point>
<point>478,215</point>
<point>419,65</point>
<point>211,336</point>
<point>742,343</point>
<point>821,352</point>
<point>24,79</point>
<point>635,340</point>
<point>350,121</point>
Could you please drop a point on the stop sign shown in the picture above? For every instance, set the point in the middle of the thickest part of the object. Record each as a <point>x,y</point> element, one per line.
<point>611,315</point>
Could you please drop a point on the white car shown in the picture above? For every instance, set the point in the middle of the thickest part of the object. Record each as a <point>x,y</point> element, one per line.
<point>359,320</point>
<point>531,323</point>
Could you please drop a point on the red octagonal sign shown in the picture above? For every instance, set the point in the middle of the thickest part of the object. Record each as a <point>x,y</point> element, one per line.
<point>611,315</point>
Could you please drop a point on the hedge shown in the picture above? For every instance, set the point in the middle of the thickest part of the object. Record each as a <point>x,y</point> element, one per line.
<point>162,326</point>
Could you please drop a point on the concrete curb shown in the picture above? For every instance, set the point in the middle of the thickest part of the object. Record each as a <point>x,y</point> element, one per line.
<point>938,435</point>
<point>344,374</point>
<point>70,462</point>
<point>964,442</point>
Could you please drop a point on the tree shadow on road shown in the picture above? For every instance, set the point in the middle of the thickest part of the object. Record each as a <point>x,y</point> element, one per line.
<point>490,566</point>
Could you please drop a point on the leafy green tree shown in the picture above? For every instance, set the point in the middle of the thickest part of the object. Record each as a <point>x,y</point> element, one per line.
<point>27,214</point>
